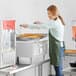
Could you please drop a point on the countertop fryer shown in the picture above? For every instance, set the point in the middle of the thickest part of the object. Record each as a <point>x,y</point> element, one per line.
<point>31,47</point>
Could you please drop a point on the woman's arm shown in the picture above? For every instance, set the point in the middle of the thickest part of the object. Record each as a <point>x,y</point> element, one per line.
<point>32,26</point>
<point>38,25</point>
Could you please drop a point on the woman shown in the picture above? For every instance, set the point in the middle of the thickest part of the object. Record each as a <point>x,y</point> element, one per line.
<point>55,26</point>
<point>56,39</point>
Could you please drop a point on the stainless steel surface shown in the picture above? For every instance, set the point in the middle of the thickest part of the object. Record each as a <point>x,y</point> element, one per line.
<point>40,70</point>
<point>17,68</point>
<point>32,49</point>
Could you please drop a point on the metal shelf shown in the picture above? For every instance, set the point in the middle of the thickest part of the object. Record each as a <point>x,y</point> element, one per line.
<point>17,68</point>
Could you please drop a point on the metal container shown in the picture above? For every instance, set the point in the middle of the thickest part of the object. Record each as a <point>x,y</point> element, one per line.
<point>32,49</point>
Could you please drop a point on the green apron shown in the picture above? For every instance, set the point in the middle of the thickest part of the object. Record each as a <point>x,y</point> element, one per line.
<point>54,51</point>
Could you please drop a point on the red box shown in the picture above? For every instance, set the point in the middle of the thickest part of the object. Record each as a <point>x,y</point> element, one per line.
<point>74,32</point>
<point>9,24</point>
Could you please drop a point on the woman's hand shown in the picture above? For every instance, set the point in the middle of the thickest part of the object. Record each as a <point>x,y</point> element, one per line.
<point>24,25</point>
<point>37,22</point>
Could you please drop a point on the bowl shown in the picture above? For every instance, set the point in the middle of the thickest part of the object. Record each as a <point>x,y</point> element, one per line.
<point>73,64</point>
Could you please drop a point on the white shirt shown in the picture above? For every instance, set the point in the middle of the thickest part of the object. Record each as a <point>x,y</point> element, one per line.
<point>55,26</point>
<point>58,30</point>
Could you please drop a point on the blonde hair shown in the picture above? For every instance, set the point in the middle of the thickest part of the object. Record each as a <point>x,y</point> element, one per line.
<point>54,10</point>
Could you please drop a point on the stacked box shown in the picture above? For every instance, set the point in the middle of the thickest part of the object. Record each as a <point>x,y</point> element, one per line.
<point>7,43</point>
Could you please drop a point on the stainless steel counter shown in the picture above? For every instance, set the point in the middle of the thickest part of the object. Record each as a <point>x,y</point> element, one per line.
<point>18,68</point>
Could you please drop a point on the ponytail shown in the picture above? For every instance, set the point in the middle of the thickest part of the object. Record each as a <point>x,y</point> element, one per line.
<point>54,10</point>
<point>61,20</point>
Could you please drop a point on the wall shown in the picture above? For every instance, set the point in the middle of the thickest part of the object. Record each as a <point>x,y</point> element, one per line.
<point>28,11</point>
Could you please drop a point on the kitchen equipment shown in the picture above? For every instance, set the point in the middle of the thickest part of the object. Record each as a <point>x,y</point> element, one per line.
<point>31,50</point>
<point>7,43</point>
<point>73,64</point>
